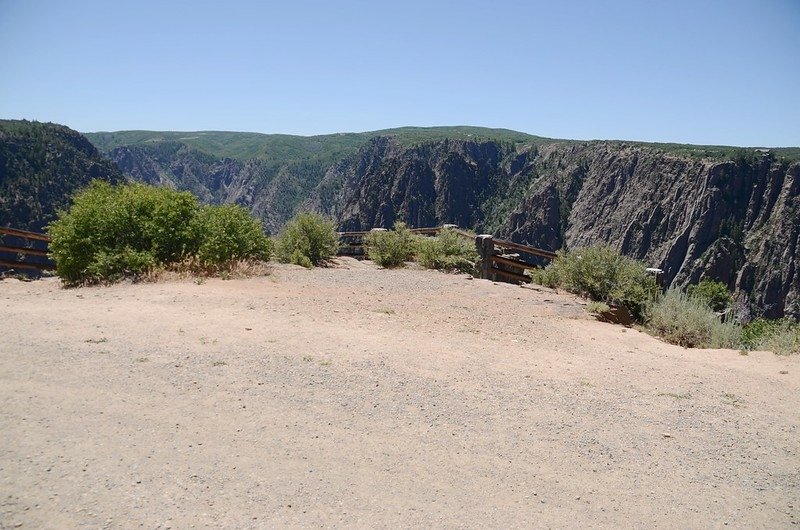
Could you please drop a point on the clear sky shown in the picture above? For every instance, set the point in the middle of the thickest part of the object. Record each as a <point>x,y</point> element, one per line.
<point>694,71</point>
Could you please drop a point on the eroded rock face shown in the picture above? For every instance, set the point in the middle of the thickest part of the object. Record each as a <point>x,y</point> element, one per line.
<point>733,221</point>
<point>451,181</point>
<point>736,222</point>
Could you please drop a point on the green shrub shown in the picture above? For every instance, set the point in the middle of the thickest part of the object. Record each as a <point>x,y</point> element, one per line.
<point>110,265</point>
<point>603,274</point>
<point>547,277</point>
<point>686,321</point>
<point>229,233</point>
<point>598,308</point>
<point>785,342</point>
<point>115,231</point>
<point>781,336</point>
<point>390,248</point>
<point>714,294</point>
<point>447,251</point>
<point>308,239</point>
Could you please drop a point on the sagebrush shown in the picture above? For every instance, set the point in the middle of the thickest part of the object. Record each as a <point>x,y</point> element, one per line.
<point>781,336</point>
<point>604,275</point>
<point>308,239</point>
<point>446,251</point>
<point>390,248</point>
<point>687,321</point>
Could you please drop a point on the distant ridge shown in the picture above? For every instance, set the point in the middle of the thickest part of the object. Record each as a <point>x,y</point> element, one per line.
<point>245,145</point>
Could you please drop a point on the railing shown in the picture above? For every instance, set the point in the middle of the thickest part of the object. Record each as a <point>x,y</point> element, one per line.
<point>24,250</point>
<point>27,251</point>
<point>500,260</point>
<point>508,261</point>
<point>533,251</point>
<point>352,243</point>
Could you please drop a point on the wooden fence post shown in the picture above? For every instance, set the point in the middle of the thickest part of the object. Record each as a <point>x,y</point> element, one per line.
<point>484,244</point>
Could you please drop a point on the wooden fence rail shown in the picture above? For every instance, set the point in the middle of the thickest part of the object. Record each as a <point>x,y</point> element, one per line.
<point>352,243</point>
<point>525,249</point>
<point>500,260</point>
<point>24,250</point>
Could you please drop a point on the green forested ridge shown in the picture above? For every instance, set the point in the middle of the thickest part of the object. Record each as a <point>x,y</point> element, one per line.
<point>236,145</point>
<point>41,166</point>
<point>284,147</point>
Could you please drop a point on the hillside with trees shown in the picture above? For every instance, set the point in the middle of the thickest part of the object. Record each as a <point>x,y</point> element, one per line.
<point>41,166</point>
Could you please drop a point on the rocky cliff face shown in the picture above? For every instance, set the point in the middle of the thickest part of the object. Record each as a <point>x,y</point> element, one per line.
<point>731,220</point>
<point>452,181</point>
<point>730,215</point>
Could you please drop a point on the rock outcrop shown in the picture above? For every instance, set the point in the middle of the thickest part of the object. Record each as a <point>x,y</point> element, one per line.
<point>733,221</point>
<point>453,181</point>
<point>695,217</point>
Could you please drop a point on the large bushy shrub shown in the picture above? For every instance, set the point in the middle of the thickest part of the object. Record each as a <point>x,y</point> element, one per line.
<point>308,239</point>
<point>688,321</point>
<point>447,251</point>
<point>390,248</point>
<point>603,274</point>
<point>227,234</point>
<point>714,294</point>
<point>114,231</point>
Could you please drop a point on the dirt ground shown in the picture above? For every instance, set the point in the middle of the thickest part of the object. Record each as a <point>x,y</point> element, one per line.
<point>355,397</point>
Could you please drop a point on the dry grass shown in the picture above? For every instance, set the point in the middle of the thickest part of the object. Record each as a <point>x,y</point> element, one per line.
<point>190,268</point>
<point>690,323</point>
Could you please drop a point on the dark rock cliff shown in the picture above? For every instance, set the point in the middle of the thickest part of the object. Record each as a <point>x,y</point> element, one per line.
<point>695,217</point>
<point>452,181</point>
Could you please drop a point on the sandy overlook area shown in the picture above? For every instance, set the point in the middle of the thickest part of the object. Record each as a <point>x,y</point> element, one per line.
<point>357,397</point>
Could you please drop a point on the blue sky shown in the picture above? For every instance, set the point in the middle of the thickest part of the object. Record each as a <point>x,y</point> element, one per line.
<point>712,72</point>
